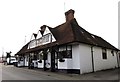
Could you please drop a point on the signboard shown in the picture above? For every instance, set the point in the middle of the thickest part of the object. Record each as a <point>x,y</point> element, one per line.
<point>41,41</point>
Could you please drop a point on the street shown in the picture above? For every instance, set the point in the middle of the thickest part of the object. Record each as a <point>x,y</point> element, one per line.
<point>9,72</point>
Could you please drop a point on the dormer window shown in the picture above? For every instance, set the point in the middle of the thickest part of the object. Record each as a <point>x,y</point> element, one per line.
<point>93,36</point>
<point>46,38</point>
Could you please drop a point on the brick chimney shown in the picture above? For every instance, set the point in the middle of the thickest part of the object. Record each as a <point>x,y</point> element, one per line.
<point>69,15</point>
<point>42,29</point>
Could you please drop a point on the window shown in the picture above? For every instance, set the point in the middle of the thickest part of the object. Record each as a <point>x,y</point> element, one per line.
<point>112,52</point>
<point>32,44</point>
<point>39,41</point>
<point>104,53</point>
<point>47,38</point>
<point>35,57</point>
<point>65,52</point>
<point>44,39</point>
<point>69,51</point>
<point>41,55</point>
<point>21,58</point>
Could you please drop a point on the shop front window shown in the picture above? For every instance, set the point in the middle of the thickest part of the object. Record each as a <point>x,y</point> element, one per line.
<point>65,52</point>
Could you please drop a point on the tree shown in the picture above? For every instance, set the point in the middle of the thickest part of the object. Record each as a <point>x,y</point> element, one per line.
<point>8,54</point>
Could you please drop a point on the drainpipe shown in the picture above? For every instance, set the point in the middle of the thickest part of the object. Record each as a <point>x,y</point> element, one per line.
<point>92,59</point>
<point>117,55</point>
<point>23,60</point>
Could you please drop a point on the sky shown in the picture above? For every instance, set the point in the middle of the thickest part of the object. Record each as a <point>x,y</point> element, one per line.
<point>20,18</point>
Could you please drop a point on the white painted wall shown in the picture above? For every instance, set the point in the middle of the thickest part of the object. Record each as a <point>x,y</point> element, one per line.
<point>41,65</point>
<point>26,62</point>
<point>46,39</point>
<point>39,35</point>
<point>35,62</point>
<point>48,61</point>
<point>32,44</point>
<point>71,63</point>
<point>85,58</point>
<point>20,63</point>
<point>119,58</point>
<point>100,63</point>
<point>75,57</point>
<point>67,64</point>
<point>8,59</point>
<point>48,31</point>
<point>32,37</point>
<point>82,59</point>
<point>41,40</point>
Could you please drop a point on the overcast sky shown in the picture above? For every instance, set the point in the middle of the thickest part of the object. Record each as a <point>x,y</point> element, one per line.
<point>20,18</point>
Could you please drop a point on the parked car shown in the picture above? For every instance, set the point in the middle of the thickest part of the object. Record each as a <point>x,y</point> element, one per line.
<point>11,60</point>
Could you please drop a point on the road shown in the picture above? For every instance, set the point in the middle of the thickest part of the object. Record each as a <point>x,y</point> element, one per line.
<point>10,72</point>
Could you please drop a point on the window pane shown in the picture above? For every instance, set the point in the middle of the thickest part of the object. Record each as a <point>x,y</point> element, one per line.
<point>65,53</point>
<point>69,48</point>
<point>62,48</point>
<point>47,37</point>
<point>69,54</point>
<point>104,54</point>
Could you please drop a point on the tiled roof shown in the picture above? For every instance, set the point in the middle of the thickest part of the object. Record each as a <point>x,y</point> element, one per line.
<point>22,50</point>
<point>70,32</point>
<point>83,36</point>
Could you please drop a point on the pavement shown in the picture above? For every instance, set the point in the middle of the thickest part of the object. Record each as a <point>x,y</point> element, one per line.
<point>10,72</point>
<point>111,74</point>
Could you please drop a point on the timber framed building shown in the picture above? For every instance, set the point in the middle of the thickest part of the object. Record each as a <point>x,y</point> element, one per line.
<point>68,47</point>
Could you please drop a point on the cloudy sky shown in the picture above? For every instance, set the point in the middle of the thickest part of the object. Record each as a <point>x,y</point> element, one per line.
<point>20,18</point>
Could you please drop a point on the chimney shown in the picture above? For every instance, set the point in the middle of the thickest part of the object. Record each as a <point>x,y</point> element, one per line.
<point>69,15</point>
<point>42,29</point>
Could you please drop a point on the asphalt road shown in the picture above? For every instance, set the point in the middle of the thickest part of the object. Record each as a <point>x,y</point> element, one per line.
<point>10,72</point>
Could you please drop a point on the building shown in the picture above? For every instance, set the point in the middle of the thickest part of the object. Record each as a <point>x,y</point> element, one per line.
<point>68,47</point>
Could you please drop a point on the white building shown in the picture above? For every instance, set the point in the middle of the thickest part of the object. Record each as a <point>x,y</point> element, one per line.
<point>69,47</point>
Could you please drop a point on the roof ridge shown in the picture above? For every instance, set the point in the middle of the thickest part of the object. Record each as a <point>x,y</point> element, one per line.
<point>73,28</point>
